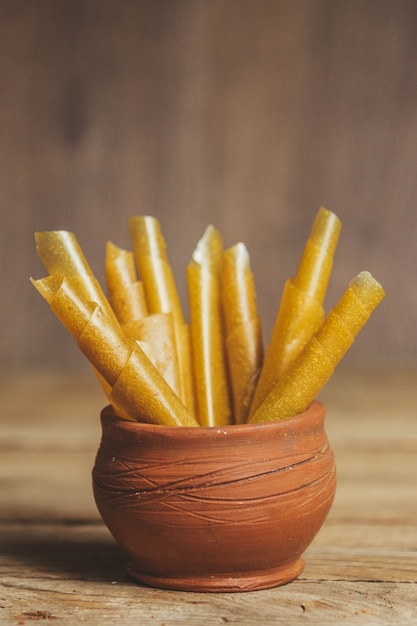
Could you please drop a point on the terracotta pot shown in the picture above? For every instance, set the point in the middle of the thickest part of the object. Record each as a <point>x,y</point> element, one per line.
<point>215,509</point>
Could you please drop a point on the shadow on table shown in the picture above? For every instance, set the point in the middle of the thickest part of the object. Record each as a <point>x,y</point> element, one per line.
<point>86,552</point>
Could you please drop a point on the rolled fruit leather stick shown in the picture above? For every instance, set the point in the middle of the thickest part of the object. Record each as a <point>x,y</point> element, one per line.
<point>161,293</point>
<point>312,368</point>
<point>62,255</point>
<point>203,280</point>
<point>243,328</point>
<point>301,308</point>
<point>74,316</point>
<point>155,332</point>
<point>136,385</point>
<point>125,291</point>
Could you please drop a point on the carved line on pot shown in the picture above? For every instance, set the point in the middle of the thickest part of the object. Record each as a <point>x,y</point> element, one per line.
<point>259,505</point>
<point>197,482</point>
<point>137,501</point>
<point>256,511</point>
<point>174,499</point>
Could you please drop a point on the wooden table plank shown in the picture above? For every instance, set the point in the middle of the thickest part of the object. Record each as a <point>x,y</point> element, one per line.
<point>58,561</point>
<point>77,572</point>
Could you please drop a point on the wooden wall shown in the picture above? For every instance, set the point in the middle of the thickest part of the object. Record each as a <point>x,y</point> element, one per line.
<point>248,114</point>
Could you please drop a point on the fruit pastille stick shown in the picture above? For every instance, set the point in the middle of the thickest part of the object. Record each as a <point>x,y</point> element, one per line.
<point>204,294</point>
<point>125,291</point>
<point>243,328</point>
<point>301,308</point>
<point>161,291</point>
<point>312,368</point>
<point>62,255</point>
<point>155,332</point>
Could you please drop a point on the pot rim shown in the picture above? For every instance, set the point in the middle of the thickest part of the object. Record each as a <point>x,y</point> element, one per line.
<point>316,411</point>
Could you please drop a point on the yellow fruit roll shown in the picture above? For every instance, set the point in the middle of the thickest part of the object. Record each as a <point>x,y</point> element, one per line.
<point>74,313</point>
<point>316,263</point>
<point>125,292</point>
<point>161,291</point>
<point>301,308</point>
<point>243,328</point>
<point>134,384</point>
<point>127,298</point>
<point>204,294</point>
<point>61,254</point>
<point>312,368</point>
<point>153,267</point>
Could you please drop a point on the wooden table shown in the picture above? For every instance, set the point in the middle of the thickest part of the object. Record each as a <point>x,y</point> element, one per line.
<point>59,563</point>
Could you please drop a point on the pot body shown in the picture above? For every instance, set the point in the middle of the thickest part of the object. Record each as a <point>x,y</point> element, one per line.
<point>215,509</point>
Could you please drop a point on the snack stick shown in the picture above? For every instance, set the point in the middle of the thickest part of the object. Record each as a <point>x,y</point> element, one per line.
<point>127,298</point>
<point>160,288</point>
<point>137,393</point>
<point>99,338</point>
<point>162,301</point>
<point>243,329</point>
<point>61,254</point>
<point>125,292</point>
<point>139,389</point>
<point>301,308</point>
<point>362,296</point>
<point>153,267</point>
<point>338,337</point>
<point>152,355</point>
<point>299,317</point>
<point>302,382</point>
<point>74,315</point>
<point>244,348</point>
<point>116,358</point>
<point>157,330</point>
<point>203,280</point>
<point>316,263</point>
<point>60,250</point>
<point>238,287</point>
<point>158,300</point>
<point>312,368</point>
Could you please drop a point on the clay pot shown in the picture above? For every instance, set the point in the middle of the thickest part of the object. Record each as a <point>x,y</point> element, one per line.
<point>215,509</point>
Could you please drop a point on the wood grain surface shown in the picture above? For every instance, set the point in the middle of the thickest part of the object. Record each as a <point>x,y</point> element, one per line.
<point>248,115</point>
<point>59,563</point>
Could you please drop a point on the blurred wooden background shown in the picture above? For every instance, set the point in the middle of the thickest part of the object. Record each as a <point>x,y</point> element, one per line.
<point>248,114</point>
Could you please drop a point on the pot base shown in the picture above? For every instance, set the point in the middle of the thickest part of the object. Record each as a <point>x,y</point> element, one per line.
<point>252,581</point>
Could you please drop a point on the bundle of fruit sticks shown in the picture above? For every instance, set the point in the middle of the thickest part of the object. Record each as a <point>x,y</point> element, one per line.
<point>156,366</point>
